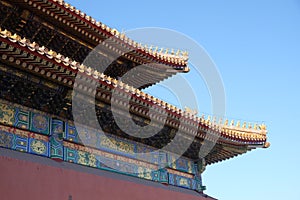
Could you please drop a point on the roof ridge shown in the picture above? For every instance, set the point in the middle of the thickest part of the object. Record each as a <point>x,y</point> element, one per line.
<point>164,53</point>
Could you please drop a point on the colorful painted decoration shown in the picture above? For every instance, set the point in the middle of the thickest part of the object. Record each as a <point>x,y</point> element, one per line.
<point>40,124</point>
<point>6,139</point>
<point>22,118</point>
<point>38,147</point>
<point>44,135</point>
<point>56,140</point>
<point>181,164</point>
<point>71,132</point>
<point>7,114</point>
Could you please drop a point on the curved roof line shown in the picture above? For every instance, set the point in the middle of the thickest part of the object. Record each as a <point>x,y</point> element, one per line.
<point>245,134</point>
<point>90,25</point>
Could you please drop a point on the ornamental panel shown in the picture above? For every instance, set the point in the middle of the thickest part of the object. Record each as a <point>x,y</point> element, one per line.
<point>7,114</point>
<point>38,147</point>
<point>40,123</point>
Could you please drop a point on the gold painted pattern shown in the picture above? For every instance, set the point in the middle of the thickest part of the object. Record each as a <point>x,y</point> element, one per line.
<point>38,147</point>
<point>114,144</point>
<point>108,155</point>
<point>6,114</point>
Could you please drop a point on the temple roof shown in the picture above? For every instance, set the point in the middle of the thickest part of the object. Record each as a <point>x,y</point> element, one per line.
<point>169,57</point>
<point>233,138</point>
<point>76,31</point>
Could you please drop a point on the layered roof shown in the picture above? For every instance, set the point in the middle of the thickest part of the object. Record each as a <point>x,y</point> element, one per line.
<point>233,139</point>
<point>81,33</point>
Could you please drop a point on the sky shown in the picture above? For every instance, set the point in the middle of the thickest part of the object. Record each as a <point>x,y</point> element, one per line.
<point>255,46</point>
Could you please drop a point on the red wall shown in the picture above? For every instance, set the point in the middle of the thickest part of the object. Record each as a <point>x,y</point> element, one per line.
<point>20,179</point>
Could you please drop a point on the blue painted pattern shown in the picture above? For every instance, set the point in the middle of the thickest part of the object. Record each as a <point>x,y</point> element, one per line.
<point>40,123</point>
<point>58,139</point>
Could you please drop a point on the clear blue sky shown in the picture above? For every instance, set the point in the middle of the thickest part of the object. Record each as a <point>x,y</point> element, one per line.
<point>256,47</point>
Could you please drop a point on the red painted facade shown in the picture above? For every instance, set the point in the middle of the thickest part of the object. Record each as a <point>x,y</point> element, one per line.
<point>21,179</point>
